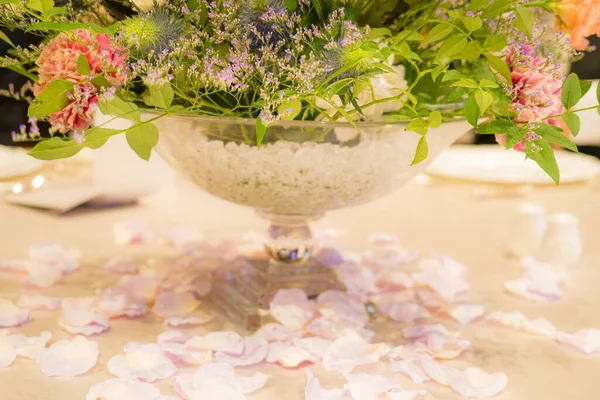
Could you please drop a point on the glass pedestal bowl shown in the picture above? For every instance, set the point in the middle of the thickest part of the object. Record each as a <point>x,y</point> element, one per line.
<point>301,171</point>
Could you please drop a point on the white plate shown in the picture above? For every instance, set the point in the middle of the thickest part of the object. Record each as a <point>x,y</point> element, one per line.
<point>494,164</point>
<point>14,162</point>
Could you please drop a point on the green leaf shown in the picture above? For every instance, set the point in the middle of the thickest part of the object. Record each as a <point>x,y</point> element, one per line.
<point>585,87</point>
<point>417,125</point>
<point>598,94</point>
<point>435,120</point>
<point>571,91</point>
<point>472,23</point>
<point>457,93</point>
<point>466,83</point>
<point>555,135</point>
<point>97,137</point>
<point>6,39</point>
<point>294,108</point>
<point>120,108</point>
<point>452,46</point>
<point>291,5</point>
<point>43,6</point>
<point>318,5</point>
<point>513,136</point>
<point>437,33</point>
<point>100,81</point>
<point>525,20</point>
<point>495,43</point>
<point>261,131</point>
<point>422,151</point>
<point>55,148</point>
<point>543,155</point>
<point>52,99</point>
<point>160,96</point>
<point>483,99</point>
<point>486,83</point>
<point>472,112</point>
<point>478,4</point>
<point>142,138</point>
<point>192,5</point>
<point>56,26</point>
<point>435,73</point>
<point>452,75</point>
<point>573,122</point>
<point>471,52</point>
<point>499,65</point>
<point>496,8</point>
<point>498,126</point>
<point>83,66</point>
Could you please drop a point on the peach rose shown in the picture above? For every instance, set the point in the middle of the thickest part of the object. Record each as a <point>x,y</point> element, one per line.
<point>580,19</point>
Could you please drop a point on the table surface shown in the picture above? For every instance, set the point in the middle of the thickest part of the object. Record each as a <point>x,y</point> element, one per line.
<point>443,216</point>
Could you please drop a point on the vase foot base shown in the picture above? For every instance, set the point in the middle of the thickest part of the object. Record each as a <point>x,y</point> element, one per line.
<point>243,292</point>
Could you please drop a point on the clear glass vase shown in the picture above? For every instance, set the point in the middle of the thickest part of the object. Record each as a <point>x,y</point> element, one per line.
<point>301,171</point>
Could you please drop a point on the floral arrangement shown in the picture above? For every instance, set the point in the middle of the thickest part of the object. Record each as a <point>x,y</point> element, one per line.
<point>495,63</point>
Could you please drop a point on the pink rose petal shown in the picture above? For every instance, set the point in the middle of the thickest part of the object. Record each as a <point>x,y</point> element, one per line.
<point>53,254</point>
<point>419,331</point>
<point>408,395</point>
<point>314,391</point>
<point>84,322</point>
<point>435,371</point>
<point>120,305</point>
<point>333,328</point>
<point>441,346</point>
<point>539,291</point>
<point>124,389</point>
<point>42,274</point>
<point>180,354</point>
<point>475,383</point>
<point>11,315</point>
<point>314,345</point>
<point>17,266</point>
<point>29,347</point>
<point>289,356</point>
<point>412,369</point>
<point>275,332</point>
<point>79,303</point>
<point>132,233</point>
<point>38,301</point>
<point>175,304</point>
<point>251,384</point>
<point>136,286</point>
<point>430,300</point>
<point>173,336</point>
<point>142,361</point>
<point>357,279</point>
<point>180,236</point>
<point>467,313</point>
<point>226,342</point>
<point>348,352</point>
<point>586,340</point>
<point>125,264</point>
<point>517,320</point>
<point>405,312</point>
<point>8,353</point>
<point>69,358</point>
<point>292,309</point>
<point>340,305</point>
<point>373,387</point>
<point>394,280</point>
<point>447,286</point>
<point>198,318</point>
<point>442,265</point>
<point>255,351</point>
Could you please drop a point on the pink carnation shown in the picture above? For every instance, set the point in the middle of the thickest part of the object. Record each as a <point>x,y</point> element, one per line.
<point>536,89</point>
<point>59,60</point>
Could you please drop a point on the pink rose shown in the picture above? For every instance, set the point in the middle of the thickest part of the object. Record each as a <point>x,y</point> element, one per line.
<point>580,19</point>
<point>79,114</point>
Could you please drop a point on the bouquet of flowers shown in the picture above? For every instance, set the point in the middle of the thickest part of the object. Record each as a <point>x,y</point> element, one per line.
<point>496,63</point>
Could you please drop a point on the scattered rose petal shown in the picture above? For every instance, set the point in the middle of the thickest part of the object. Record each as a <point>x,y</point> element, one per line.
<point>357,279</point>
<point>373,387</point>
<point>314,391</point>
<point>132,233</point>
<point>180,236</point>
<point>441,346</point>
<point>136,286</point>
<point>11,315</point>
<point>393,280</point>
<point>435,371</point>
<point>121,305</point>
<point>179,353</point>
<point>173,337</point>
<point>17,266</point>
<point>442,265</point>
<point>418,331</point>
<point>142,361</point>
<point>8,353</point>
<point>42,274</point>
<point>125,264</point>
<point>475,383</point>
<point>255,351</point>
<point>334,328</point>
<point>226,342</point>
<point>251,384</point>
<point>405,312</point>
<point>124,389</point>
<point>38,301</point>
<point>79,303</point>
<point>53,254</point>
<point>447,286</point>
<point>175,304</point>
<point>467,313</point>
<point>348,352</point>
<point>539,290</point>
<point>430,300</point>
<point>84,322</point>
<point>289,356</point>
<point>340,305</point>
<point>29,347</point>
<point>198,318</point>
<point>275,332</point>
<point>69,358</point>
<point>517,320</point>
<point>412,369</point>
<point>292,309</point>
<point>586,340</point>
